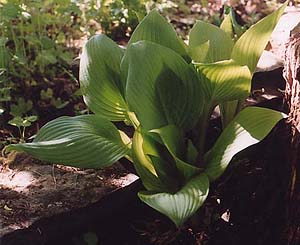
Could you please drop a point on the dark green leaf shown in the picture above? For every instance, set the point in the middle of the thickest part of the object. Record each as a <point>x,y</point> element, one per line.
<point>220,44</point>
<point>173,139</point>
<point>156,174</point>
<point>156,29</point>
<point>161,87</point>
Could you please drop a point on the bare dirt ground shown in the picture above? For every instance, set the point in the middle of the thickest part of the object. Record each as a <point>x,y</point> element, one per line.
<point>31,190</point>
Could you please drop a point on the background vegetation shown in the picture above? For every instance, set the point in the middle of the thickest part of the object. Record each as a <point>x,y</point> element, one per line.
<point>40,44</point>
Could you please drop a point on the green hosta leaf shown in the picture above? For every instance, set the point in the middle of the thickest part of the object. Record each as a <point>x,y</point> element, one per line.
<point>100,78</point>
<point>167,172</point>
<point>228,111</point>
<point>230,25</point>
<point>251,44</point>
<point>156,29</point>
<point>181,205</point>
<point>152,170</point>
<point>226,26</point>
<point>173,139</point>
<point>198,53</point>
<point>87,141</point>
<point>192,152</point>
<point>249,127</point>
<point>224,80</point>
<point>161,87</point>
<point>220,44</point>
<point>187,170</point>
<point>164,167</point>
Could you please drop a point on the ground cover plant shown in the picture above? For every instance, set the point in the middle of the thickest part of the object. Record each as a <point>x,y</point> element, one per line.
<point>39,41</point>
<point>166,90</point>
<point>32,55</point>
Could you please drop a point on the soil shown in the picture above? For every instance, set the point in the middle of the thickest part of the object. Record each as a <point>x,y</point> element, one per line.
<point>31,190</point>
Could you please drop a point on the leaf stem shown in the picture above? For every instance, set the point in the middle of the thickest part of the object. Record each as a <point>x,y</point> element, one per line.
<point>202,126</point>
<point>239,107</point>
<point>129,158</point>
<point>133,119</point>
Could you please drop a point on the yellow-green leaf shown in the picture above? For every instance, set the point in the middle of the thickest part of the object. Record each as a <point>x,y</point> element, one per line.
<point>249,127</point>
<point>249,47</point>
<point>149,167</point>
<point>86,141</point>
<point>224,81</point>
<point>220,44</point>
<point>181,205</point>
<point>100,79</point>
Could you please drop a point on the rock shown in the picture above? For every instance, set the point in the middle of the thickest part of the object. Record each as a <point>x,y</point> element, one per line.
<point>282,31</point>
<point>268,62</point>
<point>273,57</point>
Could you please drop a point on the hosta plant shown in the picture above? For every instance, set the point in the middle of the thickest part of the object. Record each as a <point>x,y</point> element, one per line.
<point>166,90</point>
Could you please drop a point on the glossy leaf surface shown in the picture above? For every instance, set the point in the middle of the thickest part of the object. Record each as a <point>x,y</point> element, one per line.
<point>161,88</point>
<point>155,28</point>
<point>181,205</point>
<point>100,79</point>
<point>219,42</point>
<point>224,81</point>
<point>87,141</point>
<point>249,127</point>
<point>249,47</point>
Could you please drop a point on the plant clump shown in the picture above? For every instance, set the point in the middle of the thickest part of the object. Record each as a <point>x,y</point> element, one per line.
<point>165,90</point>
